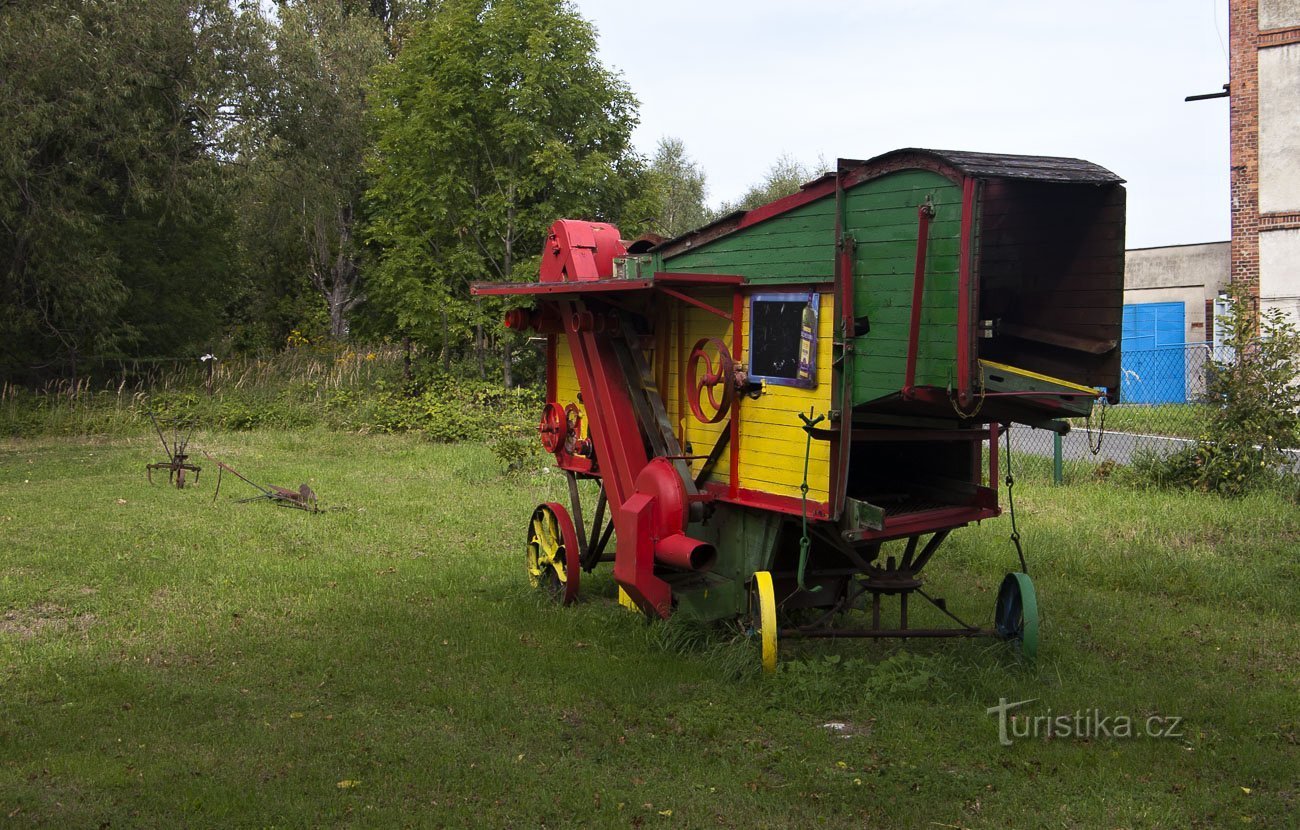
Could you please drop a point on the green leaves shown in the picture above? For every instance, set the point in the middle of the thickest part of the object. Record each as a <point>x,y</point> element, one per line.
<point>680,186</point>
<point>495,120</point>
<point>111,222</point>
<point>1255,415</point>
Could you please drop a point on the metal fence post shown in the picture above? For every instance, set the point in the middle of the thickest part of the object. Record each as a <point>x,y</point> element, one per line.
<point>1057,464</point>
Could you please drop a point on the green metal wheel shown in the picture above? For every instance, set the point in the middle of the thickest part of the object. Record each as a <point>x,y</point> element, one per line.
<point>1016,613</point>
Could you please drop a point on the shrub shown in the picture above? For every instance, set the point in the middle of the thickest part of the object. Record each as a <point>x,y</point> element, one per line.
<point>1255,392</point>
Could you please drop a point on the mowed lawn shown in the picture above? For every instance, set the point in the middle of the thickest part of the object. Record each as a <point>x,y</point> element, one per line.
<point>168,661</point>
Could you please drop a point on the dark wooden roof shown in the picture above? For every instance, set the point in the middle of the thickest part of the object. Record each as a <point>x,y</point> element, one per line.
<point>1003,166</point>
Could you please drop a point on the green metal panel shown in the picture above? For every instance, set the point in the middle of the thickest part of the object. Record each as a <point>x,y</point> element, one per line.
<point>798,246</point>
<point>881,215</point>
<point>746,542</point>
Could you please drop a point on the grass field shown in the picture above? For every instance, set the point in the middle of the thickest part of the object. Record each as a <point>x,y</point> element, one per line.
<point>167,661</point>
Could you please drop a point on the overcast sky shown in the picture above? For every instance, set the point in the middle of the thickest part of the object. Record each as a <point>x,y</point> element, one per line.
<point>743,81</point>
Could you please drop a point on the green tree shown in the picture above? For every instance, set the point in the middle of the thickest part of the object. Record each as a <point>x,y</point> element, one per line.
<point>681,186</point>
<point>784,178</point>
<point>113,226</point>
<point>495,119</point>
<point>303,148</point>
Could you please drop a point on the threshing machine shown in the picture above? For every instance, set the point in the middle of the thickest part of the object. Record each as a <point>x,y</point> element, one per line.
<point>790,409</point>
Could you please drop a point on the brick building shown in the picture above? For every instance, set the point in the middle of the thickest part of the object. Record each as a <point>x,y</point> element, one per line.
<point>1264,122</point>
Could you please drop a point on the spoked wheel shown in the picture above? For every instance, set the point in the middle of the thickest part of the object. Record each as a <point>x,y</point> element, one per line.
<point>762,618</point>
<point>552,554</point>
<point>709,372</point>
<point>1016,613</point>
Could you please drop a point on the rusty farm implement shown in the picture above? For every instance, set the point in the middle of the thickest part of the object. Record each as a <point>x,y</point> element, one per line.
<point>177,449</point>
<point>304,498</point>
<point>788,411</point>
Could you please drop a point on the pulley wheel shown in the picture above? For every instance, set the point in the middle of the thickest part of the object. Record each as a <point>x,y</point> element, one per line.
<point>552,427</point>
<point>552,553</point>
<point>710,380</point>
<point>1016,613</point>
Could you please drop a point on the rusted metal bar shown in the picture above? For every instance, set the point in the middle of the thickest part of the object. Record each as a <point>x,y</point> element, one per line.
<point>677,295</point>
<point>834,633</point>
<point>924,213</point>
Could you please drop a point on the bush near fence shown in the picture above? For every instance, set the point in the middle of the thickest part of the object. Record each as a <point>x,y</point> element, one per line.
<point>355,390</point>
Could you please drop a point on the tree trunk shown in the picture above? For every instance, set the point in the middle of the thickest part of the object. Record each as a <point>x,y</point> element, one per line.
<point>479,348</point>
<point>406,359</point>
<point>334,270</point>
<point>446,343</point>
<point>507,376</point>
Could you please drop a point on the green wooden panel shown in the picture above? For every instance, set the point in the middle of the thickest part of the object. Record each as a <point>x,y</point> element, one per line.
<point>882,216</point>
<point>939,252</point>
<point>819,254</point>
<point>796,246</point>
<point>903,181</point>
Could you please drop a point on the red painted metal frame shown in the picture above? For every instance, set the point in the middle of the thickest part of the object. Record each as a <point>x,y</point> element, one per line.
<point>965,284</point>
<point>737,348</point>
<point>675,278</point>
<point>677,295</point>
<point>928,521</point>
<point>841,388</point>
<point>790,505</point>
<point>502,289</point>
<point>613,425</point>
<point>924,212</point>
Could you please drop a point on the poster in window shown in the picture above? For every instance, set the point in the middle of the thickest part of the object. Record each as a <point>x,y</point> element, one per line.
<point>783,339</point>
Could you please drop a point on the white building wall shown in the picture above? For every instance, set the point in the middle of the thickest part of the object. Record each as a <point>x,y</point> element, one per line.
<point>1279,271</point>
<point>1190,274</point>
<point>1279,129</point>
<point>1279,14</point>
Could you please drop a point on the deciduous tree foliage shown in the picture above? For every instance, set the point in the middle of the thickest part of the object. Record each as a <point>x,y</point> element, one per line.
<point>112,224</point>
<point>786,175</point>
<point>681,186</point>
<point>304,146</point>
<point>494,120</point>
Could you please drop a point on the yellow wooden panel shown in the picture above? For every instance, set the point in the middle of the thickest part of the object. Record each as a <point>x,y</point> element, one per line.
<point>772,440</point>
<point>566,380</point>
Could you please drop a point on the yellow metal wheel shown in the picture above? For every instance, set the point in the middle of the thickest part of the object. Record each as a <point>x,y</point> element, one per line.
<point>763,616</point>
<point>552,553</point>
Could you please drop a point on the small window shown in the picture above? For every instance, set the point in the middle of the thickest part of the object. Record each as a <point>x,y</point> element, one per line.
<point>783,339</point>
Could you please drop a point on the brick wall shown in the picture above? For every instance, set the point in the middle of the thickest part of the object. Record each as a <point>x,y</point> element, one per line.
<point>1243,69</point>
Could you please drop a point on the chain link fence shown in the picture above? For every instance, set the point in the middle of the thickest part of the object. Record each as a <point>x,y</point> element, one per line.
<point>1164,406</point>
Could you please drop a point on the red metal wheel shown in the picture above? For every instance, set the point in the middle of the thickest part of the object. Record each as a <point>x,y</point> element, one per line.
<point>715,381</point>
<point>552,555</point>
<point>552,427</point>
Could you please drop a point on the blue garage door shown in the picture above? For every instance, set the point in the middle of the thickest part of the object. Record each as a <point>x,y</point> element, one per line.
<point>1153,354</point>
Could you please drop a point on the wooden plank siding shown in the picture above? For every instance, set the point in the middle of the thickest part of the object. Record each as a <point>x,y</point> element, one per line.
<point>882,216</point>
<point>1052,258</point>
<point>798,246</point>
<point>772,439</point>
